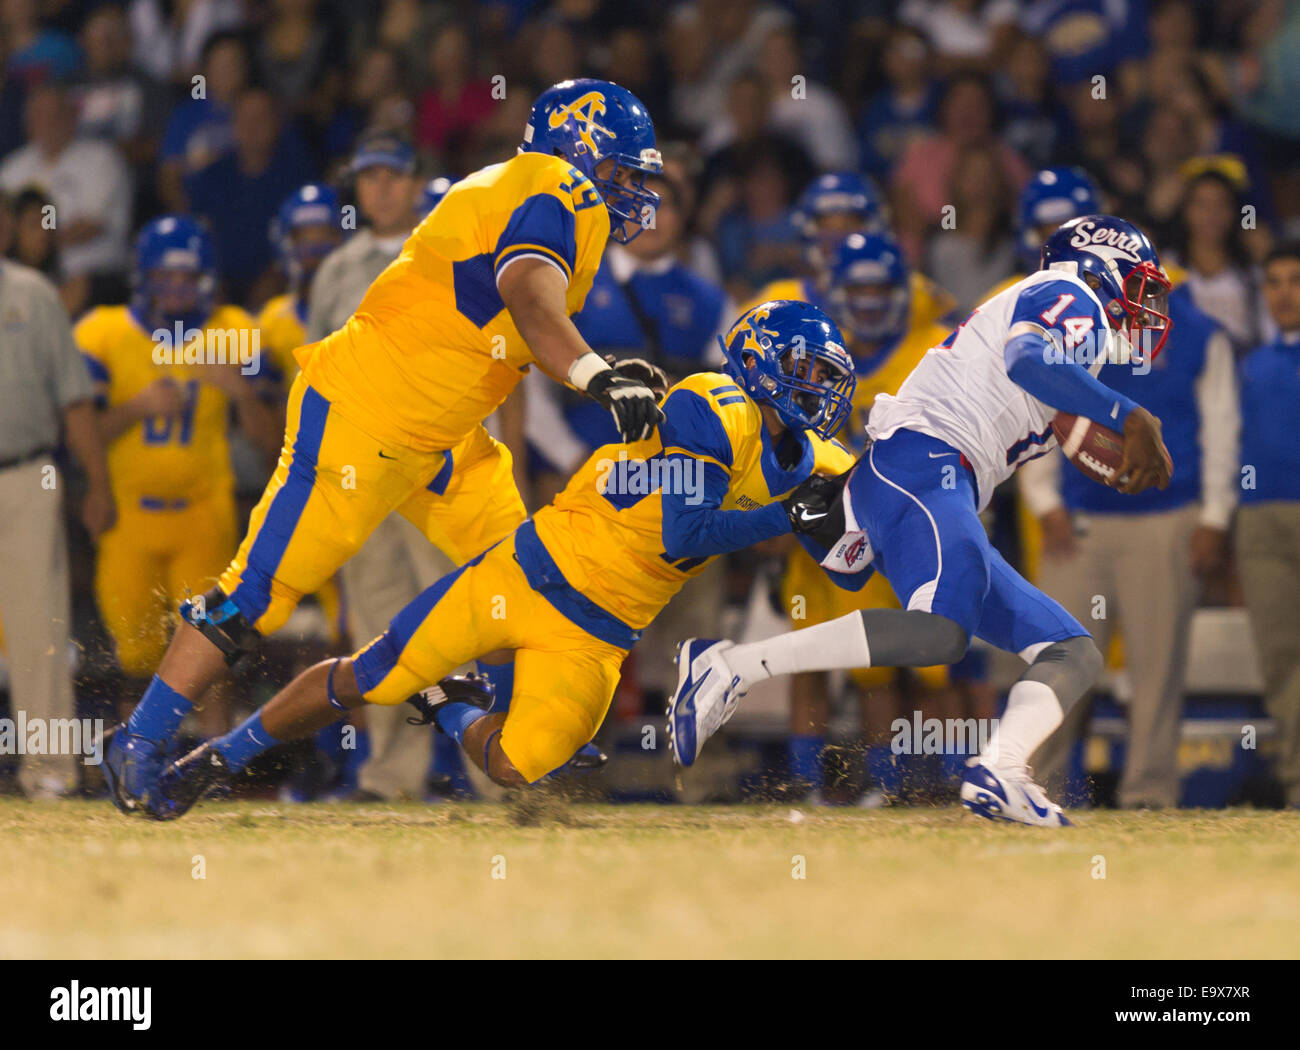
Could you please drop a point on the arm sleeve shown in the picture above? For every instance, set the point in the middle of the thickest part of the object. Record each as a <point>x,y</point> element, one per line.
<point>1062,384</point>
<point>1053,324</point>
<point>542,227</point>
<point>1220,432</point>
<point>694,526</point>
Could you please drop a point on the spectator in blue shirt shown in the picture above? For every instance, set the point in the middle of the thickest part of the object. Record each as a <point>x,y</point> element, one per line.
<point>199,130</point>
<point>1268,522</point>
<point>644,303</point>
<point>268,163</point>
<point>905,108</point>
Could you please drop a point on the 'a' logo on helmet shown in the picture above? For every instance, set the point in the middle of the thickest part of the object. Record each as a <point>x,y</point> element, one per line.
<point>584,111</point>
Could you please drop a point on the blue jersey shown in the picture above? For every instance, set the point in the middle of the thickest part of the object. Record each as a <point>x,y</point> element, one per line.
<point>1270,394</point>
<point>680,310</point>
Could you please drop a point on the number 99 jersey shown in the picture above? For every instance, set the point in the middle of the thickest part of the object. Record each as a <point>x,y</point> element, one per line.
<point>432,350</point>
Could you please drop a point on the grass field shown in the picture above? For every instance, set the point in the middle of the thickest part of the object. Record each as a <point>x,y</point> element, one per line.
<point>579,880</point>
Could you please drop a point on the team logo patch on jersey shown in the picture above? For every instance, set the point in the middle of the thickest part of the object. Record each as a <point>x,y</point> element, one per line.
<point>585,111</point>
<point>852,554</point>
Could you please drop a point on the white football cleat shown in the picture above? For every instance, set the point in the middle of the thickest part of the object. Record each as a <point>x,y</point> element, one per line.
<point>707,695</point>
<point>1011,795</point>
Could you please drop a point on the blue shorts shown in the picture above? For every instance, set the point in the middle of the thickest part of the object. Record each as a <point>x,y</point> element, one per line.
<point>915,497</point>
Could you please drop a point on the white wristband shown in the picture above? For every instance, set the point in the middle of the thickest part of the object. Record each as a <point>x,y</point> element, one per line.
<point>584,369</point>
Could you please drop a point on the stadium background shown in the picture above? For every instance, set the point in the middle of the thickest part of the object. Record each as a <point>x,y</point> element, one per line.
<point>750,100</point>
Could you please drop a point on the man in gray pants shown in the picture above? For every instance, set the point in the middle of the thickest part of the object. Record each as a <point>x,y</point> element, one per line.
<point>44,387</point>
<point>1268,523</point>
<point>397,562</point>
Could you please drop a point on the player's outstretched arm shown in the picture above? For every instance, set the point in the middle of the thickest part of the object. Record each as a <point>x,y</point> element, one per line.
<point>534,293</point>
<point>1069,387</point>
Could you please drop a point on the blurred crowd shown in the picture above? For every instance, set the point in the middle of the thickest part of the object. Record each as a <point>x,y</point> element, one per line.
<point>1181,111</point>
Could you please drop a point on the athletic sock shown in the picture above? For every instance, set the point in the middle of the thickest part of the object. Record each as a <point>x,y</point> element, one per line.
<point>455,718</point>
<point>502,677</point>
<point>1033,711</point>
<point>159,713</point>
<point>805,751</point>
<point>837,643</point>
<point>244,743</point>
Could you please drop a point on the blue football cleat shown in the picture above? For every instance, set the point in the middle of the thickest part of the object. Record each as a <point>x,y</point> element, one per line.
<point>707,695</point>
<point>1009,795</point>
<point>187,780</point>
<point>131,767</point>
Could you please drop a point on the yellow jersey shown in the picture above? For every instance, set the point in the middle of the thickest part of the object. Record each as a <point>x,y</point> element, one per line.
<point>283,331</point>
<point>885,373</point>
<point>930,303</point>
<point>166,461</point>
<point>432,351</point>
<point>618,533</point>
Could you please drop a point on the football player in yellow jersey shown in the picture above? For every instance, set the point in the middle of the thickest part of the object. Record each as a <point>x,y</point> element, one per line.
<point>483,289</point>
<point>868,295</point>
<point>571,589</point>
<point>828,210</point>
<point>167,368</point>
<point>307,228</point>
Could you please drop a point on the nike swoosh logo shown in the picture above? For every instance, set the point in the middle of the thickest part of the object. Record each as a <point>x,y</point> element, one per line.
<point>1041,812</point>
<point>382,455</point>
<point>939,455</point>
<point>1114,412</point>
<point>685,706</point>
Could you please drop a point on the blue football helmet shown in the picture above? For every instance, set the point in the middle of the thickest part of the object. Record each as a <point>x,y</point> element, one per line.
<point>1130,282</point>
<point>587,121</point>
<point>433,192</point>
<point>314,204</point>
<point>174,277</point>
<point>774,350</point>
<point>870,290</point>
<point>844,194</point>
<point>1053,196</point>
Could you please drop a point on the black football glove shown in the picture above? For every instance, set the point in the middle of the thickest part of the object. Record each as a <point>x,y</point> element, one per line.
<point>642,371</point>
<point>816,508</point>
<point>633,404</point>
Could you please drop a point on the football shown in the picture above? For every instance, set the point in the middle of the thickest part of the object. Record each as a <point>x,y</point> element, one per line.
<point>1094,449</point>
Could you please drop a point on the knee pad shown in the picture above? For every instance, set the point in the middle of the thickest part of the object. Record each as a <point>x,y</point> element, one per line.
<point>1070,668</point>
<point>215,617</point>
